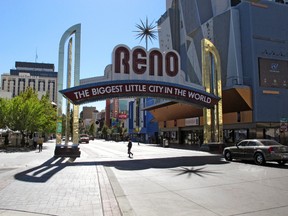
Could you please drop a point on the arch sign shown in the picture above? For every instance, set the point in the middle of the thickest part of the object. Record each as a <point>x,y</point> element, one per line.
<point>138,73</point>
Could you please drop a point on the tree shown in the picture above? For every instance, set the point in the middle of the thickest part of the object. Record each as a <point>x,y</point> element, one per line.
<point>104,131</point>
<point>92,129</point>
<point>63,124</point>
<point>122,131</point>
<point>5,105</point>
<point>49,115</point>
<point>28,114</point>
<point>24,113</point>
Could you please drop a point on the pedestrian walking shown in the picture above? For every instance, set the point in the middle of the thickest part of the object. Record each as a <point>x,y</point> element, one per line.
<point>40,143</point>
<point>35,141</point>
<point>129,148</point>
<point>138,139</point>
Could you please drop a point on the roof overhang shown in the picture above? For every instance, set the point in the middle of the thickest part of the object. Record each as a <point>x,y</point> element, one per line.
<point>173,110</point>
<point>238,98</point>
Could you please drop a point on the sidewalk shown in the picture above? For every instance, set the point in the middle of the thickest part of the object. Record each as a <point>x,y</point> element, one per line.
<point>156,181</point>
<point>49,186</point>
<point>33,183</point>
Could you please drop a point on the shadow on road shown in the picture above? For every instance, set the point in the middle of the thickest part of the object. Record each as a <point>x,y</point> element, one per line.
<point>189,171</point>
<point>267,164</point>
<point>164,163</point>
<point>45,171</point>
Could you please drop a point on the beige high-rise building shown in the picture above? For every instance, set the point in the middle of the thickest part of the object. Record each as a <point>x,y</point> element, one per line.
<point>39,76</point>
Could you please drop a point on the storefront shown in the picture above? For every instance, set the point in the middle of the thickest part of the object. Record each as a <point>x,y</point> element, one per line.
<point>192,136</point>
<point>170,134</point>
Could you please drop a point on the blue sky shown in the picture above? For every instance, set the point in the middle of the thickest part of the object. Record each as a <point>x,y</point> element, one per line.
<point>30,26</point>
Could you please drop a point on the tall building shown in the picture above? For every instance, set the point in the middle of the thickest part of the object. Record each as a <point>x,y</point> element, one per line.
<point>88,112</point>
<point>251,38</point>
<point>117,112</point>
<point>89,117</point>
<point>39,76</point>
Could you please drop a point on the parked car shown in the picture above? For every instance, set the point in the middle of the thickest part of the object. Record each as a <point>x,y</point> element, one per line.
<point>257,150</point>
<point>84,138</point>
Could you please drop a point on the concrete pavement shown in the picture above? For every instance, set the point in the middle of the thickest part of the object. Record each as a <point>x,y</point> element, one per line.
<point>37,184</point>
<point>157,181</point>
<point>33,183</point>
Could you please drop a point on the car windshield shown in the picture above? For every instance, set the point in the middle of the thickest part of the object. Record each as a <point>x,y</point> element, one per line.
<point>83,135</point>
<point>269,142</point>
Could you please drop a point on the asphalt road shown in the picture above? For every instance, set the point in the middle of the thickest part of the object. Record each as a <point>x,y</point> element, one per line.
<point>156,181</point>
<point>166,181</point>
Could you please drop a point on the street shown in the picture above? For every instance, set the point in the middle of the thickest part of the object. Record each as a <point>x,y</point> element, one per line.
<point>156,181</point>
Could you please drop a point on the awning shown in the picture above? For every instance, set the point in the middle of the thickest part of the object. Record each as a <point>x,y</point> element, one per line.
<point>238,98</point>
<point>175,111</point>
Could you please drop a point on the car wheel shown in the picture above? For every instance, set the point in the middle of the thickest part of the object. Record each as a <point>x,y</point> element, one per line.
<point>259,159</point>
<point>282,162</point>
<point>228,156</point>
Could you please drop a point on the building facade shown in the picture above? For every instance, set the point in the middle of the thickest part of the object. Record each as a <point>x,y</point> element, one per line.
<point>88,116</point>
<point>39,76</point>
<point>129,114</point>
<point>252,43</point>
<point>142,126</point>
<point>88,112</point>
<point>117,112</point>
<point>5,94</point>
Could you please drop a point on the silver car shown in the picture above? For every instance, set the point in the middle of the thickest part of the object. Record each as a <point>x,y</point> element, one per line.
<point>257,150</point>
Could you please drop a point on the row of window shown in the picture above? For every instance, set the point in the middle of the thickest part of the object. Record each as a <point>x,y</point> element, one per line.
<point>10,85</point>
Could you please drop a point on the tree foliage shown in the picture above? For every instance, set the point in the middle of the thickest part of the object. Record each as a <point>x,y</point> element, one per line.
<point>27,114</point>
<point>122,131</point>
<point>92,129</point>
<point>4,107</point>
<point>105,131</point>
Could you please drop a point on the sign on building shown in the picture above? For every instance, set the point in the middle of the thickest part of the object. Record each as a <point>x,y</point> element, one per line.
<point>141,73</point>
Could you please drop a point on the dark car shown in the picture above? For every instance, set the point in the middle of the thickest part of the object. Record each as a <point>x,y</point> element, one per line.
<point>257,150</point>
<point>84,138</point>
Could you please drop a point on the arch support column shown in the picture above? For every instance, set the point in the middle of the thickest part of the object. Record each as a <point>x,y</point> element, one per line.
<point>69,33</point>
<point>212,82</point>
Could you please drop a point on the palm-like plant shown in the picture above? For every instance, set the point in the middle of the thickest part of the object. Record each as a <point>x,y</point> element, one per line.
<point>146,30</point>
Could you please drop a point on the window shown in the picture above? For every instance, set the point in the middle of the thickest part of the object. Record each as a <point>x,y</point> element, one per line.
<point>252,143</point>
<point>242,144</point>
<point>235,2</point>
